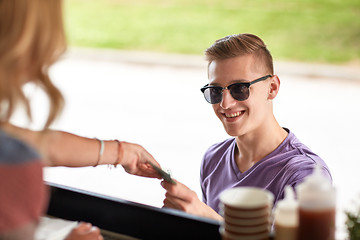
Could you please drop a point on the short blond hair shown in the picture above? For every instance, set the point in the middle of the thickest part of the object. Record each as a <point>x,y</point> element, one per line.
<point>240,45</point>
<point>31,39</point>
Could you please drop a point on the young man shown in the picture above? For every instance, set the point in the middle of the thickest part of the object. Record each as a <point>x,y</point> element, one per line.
<point>260,153</point>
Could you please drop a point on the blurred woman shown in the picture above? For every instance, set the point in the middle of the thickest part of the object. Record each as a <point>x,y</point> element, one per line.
<point>31,40</point>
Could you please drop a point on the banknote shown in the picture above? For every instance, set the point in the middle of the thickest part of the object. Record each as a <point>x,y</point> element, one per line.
<point>165,175</point>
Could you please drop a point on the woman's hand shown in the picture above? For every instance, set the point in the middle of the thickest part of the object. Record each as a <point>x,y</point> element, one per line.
<point>135,160</point>
<point>85,231</point>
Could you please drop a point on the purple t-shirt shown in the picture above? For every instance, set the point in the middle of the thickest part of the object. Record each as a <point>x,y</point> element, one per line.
<point>288,164</point>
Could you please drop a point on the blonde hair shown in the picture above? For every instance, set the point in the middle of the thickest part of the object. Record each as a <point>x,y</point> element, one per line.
<point>240,45</point>
<point>31,40</point>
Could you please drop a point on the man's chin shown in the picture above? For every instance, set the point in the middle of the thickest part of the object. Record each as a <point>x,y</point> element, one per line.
<point>232,132</point>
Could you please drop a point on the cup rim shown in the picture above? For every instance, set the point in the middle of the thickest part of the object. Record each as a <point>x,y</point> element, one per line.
<point>247,221</point>
<point>254,229</point>
<point>263,235</point>
<point>249,213</point>
<point>246,197</point>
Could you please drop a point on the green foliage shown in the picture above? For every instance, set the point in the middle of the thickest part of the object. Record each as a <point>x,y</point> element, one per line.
<point>303,30</point>
<point>353,225</point>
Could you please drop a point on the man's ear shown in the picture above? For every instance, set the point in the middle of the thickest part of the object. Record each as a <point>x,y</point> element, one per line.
<point>274,87</point>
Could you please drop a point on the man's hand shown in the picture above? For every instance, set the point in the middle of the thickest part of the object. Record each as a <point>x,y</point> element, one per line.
<point>180,197</point>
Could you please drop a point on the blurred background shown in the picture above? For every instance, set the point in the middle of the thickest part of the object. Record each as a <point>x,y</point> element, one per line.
<point>326,31</point>
<point>134,70</point>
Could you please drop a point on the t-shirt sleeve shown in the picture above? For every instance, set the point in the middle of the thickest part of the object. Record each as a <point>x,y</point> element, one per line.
<point>202,178</point>
<point>300,168</point>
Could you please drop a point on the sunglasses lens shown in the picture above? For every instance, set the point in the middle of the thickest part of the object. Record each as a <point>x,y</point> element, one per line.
<point>213,95</point>
<point>239,92</point>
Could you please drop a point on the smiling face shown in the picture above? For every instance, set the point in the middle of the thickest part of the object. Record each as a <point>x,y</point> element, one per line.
<point>252,114</point>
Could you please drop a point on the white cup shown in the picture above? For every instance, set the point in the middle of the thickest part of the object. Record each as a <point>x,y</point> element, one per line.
<point>246,212</point>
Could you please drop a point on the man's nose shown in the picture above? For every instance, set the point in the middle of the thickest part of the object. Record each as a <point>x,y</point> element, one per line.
<point>227,100</point>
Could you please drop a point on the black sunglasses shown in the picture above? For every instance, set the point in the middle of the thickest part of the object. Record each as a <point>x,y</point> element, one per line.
<point>239,91</point>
